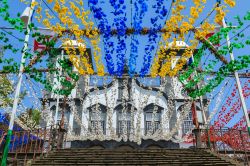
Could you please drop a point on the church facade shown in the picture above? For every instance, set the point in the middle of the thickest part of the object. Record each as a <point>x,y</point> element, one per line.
<point>115,111</point>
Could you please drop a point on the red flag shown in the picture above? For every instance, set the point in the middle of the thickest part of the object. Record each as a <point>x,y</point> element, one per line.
<point>209,35</point>
<point>68,78</point>
<point>217,44</point>
<point>194,115</point>
<point>38,46</point>
<point>46,32</point>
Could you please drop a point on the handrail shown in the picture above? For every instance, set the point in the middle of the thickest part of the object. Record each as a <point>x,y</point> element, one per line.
<point>28,144</point>
<point>233,143</point>
<point>2,138</point>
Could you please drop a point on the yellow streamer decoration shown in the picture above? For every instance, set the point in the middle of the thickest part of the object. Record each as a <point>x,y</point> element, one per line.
<point>177,25</point>
<point>68,13</point>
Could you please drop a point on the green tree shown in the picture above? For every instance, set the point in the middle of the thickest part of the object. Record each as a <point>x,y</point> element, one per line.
<point>31,118</point>
<point>6,89</point>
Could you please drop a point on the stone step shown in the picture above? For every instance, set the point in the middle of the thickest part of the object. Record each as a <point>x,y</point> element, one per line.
<point>97,157</point>
<point>122,160</point>
<point>138,154</point>
<point>128,156</point>
<point>125,156</point>
<point>160,163</point>
<point>128,160</point>
<point>132,150</point>
<point>143,150</point>
<point>133,153</point>
<point>144,163</point>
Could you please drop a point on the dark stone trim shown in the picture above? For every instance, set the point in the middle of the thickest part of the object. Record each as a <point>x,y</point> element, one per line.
<point>112,144</point>
<point>197,100</point>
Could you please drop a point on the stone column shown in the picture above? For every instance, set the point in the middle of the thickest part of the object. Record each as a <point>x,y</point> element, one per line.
<point>71,120</point>
<point>197,133</point>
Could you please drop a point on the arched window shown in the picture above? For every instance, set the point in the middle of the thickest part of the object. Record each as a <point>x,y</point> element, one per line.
<point>123,122</point>
<point>187,123</point>
<point>124,118</point>
<point>152,118</point>
<point>97,119</point>
<point>59,115</point>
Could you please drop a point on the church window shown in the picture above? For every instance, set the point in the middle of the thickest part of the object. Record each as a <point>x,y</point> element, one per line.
<point>123,122</point>
<point>152,121</point>
<point>187,123</point>
<point>97,121</point>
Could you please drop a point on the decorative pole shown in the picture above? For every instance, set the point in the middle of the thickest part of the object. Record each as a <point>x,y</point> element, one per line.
<point>201,101</point>
<point>58,95</point>
<point>18,88</point>
<point>242,99</point>
<point>236,75</point>
<point>198,130</point>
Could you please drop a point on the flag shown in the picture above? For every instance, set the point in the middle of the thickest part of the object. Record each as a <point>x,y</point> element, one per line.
<point>48,34</point>
<point>68,78</point>
<point>217,39</point>
<point>38,46</point>
<point>194,114</point>
<point>209,35</point>
<point>216,30</point>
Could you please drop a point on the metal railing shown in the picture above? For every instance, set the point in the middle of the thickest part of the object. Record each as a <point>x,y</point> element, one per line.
<point>29,144</point>
<point>225,142</point>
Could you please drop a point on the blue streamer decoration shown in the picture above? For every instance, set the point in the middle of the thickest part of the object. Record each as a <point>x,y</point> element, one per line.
<point>5,121</point>
<point>105,29</point>
<point>161,12</point>
<point>17,140</point>
<point>120,24</point>
<point>140,10</point>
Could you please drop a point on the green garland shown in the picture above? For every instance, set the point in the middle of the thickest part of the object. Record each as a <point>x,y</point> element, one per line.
<point>16,23</point>
<point>66,85</point>
<point>191,85</point>
<point>220,76</point>
<point>10,66</point>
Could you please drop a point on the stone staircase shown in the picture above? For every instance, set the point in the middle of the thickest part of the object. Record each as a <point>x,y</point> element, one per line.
<point>146,157</point>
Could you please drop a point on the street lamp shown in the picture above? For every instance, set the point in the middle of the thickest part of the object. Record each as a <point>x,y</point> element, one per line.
<point>26,17</point>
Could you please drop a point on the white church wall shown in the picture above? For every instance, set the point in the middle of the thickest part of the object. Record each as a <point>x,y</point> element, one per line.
<point>165,120</point>
<point>177,89</point>
<point>140,99</point>
<point>150,96</point>
<point>177,106</point>
<point>71,119</point>
<point>114,120</point>
<point>85,116</point>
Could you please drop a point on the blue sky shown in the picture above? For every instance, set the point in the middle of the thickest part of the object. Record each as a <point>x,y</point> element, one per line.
<point>240,9</point>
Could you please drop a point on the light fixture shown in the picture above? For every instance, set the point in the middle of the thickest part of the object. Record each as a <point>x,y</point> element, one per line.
<point>25,15</point>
